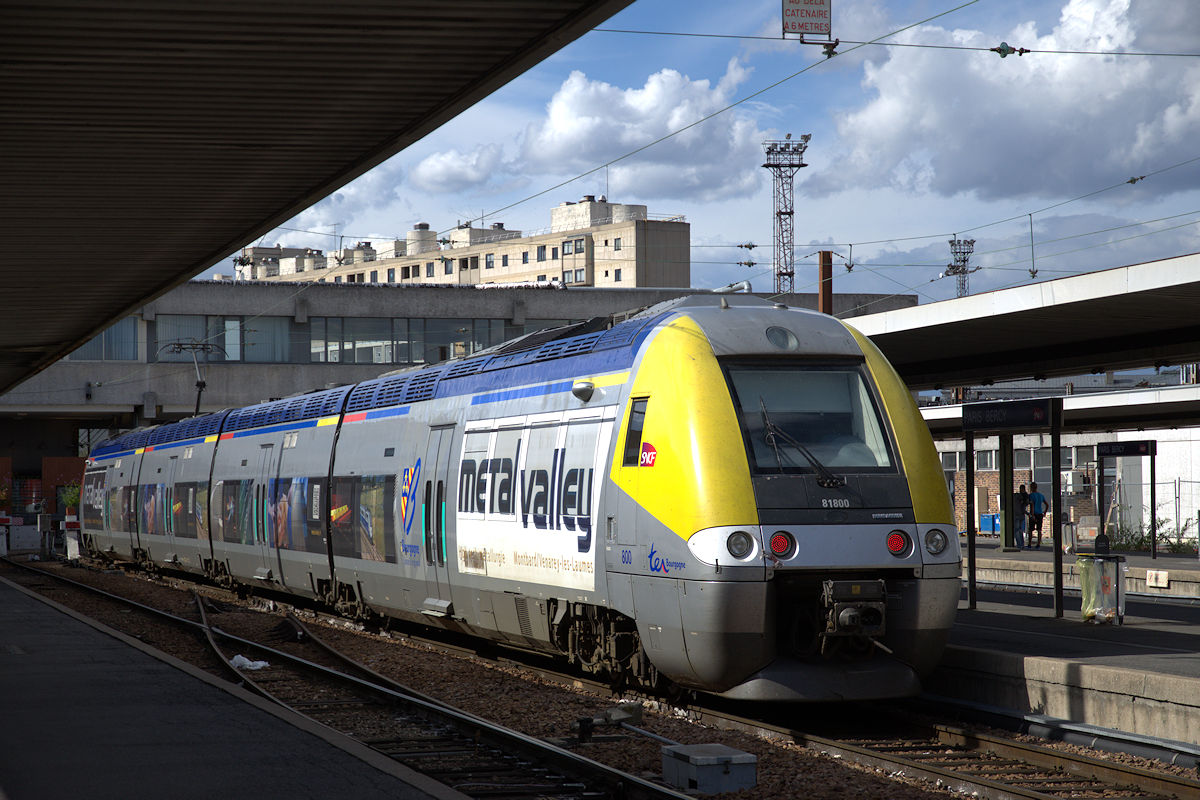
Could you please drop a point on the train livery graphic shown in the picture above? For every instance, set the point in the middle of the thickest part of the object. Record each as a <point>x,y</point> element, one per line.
<point>720,493</point>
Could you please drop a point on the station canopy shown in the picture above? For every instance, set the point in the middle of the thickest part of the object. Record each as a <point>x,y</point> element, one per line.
<point>143,142</point>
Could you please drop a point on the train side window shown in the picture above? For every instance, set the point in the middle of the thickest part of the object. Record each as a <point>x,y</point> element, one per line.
<point>633,434</point>
<point>427,519</point>
<point>440,525</point>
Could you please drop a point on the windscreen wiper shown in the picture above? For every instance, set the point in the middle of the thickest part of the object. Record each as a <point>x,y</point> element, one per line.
<point>825,478</point>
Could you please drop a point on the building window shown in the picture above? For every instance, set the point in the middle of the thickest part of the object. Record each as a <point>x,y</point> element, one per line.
<point>985,460</point>
<point>449,266</point>
<point>504,260</point>
<point>1085,455</point>
<point>489,260</point>
<point>580,275</point>
<point>337,278</point>
<point>524,256</point>
<point>266,340</point>
<point>554,254</point>
<point>258,339</point>
<point>568,248</point>
<point>578,246</point>
<point>464,264</point>
<point>374,276</point>
<point>117,343</point>
<point>541,277</point>
<point>366,340</point>
<point>362,277</point>
<point>392,274</point>
<point>567,276</point>
<point>541,252</point>
<point>404,273</point>
<point>617,274</point>
<point>617,243</point>
<point>474,262</point>
<point>428,269</point>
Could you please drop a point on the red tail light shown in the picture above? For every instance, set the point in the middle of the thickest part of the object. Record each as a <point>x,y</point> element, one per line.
<point>783,545</point>
<point>898,543</point>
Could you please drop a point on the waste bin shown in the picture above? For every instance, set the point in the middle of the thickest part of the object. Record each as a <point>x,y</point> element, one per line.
<point>1102,580</point>
<point>989,523</point>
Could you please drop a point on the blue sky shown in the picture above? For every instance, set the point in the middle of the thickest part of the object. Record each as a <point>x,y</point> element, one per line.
<point>909,144</point>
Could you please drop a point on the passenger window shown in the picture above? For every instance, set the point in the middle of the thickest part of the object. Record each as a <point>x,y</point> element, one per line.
<point>633,435</point>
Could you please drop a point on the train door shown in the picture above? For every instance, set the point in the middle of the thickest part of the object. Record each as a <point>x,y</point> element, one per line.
<point>437,523</point>
<point>94,505</point>
<point>168,511</point>
<point>264,517</point>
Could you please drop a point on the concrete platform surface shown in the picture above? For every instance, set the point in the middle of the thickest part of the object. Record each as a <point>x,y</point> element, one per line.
<point>91,713</point>
<point>1142,676</point>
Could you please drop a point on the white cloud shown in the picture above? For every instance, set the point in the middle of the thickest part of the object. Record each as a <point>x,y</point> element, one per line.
<point>452,171</point>
<point>587,123</point>
<point>948,123</point>
<point>591,122</point>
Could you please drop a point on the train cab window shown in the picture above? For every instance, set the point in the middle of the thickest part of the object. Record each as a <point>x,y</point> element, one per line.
<point>795,414</point>
<point>633,434</point>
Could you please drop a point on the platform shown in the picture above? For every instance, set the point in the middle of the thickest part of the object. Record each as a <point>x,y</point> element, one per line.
<point>1142,676</point>
<point>90,712</point>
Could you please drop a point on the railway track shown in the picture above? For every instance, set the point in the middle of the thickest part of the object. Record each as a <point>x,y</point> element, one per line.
<point>470,755</point>
<point>950,757</point>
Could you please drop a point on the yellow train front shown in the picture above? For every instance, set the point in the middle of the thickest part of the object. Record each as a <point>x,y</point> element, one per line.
<point>777,522</point>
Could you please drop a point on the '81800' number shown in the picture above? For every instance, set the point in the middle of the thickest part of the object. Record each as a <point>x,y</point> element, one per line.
<point>835,502</point>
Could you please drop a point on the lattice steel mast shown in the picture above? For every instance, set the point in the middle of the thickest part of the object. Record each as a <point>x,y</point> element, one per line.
<point>784,158</point>
<point>961,249</point>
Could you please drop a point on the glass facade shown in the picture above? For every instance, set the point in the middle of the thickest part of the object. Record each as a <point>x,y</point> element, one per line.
<point>282,340</point>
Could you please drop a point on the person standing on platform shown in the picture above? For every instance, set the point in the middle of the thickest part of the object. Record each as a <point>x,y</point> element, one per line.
<point>1020,509</point>
<point>1037,511</point>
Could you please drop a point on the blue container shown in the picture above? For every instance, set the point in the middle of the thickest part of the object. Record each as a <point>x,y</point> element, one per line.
<point>989,523</point>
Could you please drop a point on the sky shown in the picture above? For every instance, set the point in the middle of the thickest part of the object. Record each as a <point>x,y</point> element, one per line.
<point>917,138</point>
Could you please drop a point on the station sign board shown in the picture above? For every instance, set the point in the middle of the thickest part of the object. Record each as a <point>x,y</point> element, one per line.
<point>1146,447</point>
<point>812,17</point>
<point>1028,415</point>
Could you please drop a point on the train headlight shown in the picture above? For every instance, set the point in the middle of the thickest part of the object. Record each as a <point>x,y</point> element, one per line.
<point>740,544</point>
<point>935,542</point>
<point>898,544</point>
<point>782,338</point>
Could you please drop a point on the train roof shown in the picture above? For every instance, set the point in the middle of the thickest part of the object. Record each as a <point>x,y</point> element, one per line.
<point>543,355</point>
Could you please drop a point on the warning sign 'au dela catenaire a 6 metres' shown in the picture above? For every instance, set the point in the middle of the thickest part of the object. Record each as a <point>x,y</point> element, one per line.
<point>808,17</point>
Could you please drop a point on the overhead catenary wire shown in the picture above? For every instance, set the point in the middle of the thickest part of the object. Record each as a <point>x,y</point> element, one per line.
<point>877,43</point>
<point>705,118</point>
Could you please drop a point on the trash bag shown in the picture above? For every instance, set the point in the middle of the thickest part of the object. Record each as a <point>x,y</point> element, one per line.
<point>1102,581</point>
<point>241,662</point>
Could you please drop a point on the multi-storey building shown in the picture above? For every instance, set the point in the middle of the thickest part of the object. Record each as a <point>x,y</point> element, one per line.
<point>589,243</point>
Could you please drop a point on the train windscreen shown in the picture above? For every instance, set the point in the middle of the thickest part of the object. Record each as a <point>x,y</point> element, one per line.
<point>808,418</point>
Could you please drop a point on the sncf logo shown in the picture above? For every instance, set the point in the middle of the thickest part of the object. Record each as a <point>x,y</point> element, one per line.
<point>649,455</point>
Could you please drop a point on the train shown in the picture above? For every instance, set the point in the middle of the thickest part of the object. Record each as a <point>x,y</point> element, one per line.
<point>719,494</point>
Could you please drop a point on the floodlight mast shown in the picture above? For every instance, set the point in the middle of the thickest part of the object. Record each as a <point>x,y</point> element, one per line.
<point>961,249</point>
<point>784,158</point>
